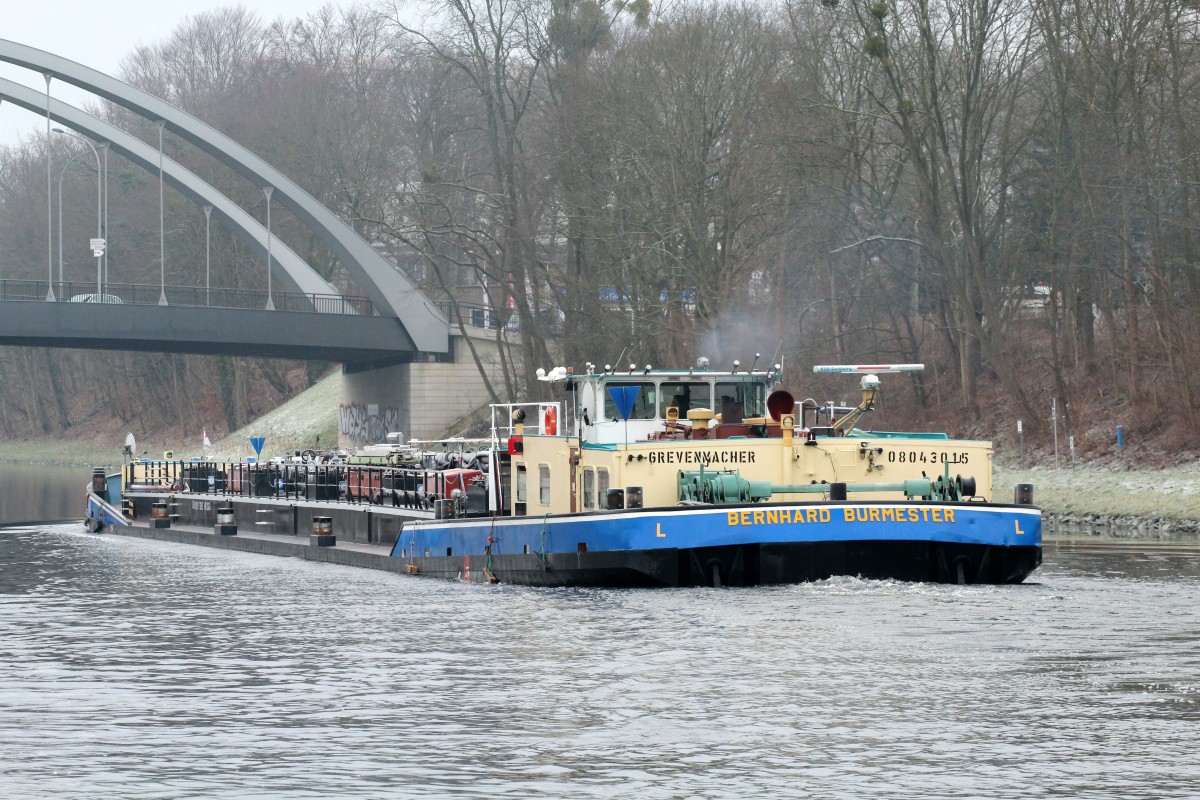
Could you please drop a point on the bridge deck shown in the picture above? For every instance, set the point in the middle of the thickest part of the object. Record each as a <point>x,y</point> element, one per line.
<point>310,336</point>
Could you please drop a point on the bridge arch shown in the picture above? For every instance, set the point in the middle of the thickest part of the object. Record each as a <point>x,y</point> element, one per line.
<point>387,287</point>
<point>295,273</point>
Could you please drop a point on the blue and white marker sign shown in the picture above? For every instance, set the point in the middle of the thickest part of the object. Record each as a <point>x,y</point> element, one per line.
<point>624,397</point>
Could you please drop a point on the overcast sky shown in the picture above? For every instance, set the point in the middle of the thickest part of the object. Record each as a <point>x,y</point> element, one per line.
<point>98,34</point>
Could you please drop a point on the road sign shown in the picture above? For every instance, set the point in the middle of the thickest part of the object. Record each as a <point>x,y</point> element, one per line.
<point>97,246</point>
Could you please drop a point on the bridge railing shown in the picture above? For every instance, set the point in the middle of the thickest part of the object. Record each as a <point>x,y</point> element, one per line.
<point>477,316</point>
<point>198,296</point>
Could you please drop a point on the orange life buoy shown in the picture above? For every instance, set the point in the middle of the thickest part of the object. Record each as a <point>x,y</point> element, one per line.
<point>550,422</point>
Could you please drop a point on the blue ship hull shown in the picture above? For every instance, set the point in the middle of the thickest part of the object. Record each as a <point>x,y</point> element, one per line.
<point>99,513</point>
<point>744,545</point>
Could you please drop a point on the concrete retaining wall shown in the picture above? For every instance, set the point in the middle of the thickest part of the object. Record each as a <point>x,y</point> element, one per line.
<point>419,399</point>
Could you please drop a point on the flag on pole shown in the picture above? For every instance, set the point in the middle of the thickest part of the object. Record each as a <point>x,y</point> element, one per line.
<point>207,443</point>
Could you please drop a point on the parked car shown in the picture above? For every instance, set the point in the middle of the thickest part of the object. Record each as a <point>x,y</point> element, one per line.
<point>95,298</point>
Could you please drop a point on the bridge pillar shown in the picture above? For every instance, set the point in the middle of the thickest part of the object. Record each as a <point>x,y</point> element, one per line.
<point>421,399</point>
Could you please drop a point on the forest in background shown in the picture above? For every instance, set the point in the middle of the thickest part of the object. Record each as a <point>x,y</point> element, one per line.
<point>1004,191</point>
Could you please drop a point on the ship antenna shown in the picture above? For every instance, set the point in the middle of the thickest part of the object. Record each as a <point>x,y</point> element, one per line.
<point>757,356</point>
<point>778,349</point>
<point>618,361</point>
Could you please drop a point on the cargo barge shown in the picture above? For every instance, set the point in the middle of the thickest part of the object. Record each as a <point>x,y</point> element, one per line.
<point>636,478</point>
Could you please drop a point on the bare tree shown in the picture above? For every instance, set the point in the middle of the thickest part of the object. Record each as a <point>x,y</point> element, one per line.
<point>492,50</point>
<point>950,82</point>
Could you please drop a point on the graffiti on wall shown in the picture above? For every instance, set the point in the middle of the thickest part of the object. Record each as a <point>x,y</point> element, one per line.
<point>363,424</point>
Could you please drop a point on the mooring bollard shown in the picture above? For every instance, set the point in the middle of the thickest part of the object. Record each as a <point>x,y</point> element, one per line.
<point>226,523</point>
<point>322,532</point>
<point>159,518</point>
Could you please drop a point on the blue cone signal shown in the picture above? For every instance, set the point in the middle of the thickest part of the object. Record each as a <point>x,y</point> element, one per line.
<point>624,397</point>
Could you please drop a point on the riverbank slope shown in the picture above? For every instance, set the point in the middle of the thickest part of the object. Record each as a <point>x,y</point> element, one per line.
<point>307,420</point>
<point>1111,495</point>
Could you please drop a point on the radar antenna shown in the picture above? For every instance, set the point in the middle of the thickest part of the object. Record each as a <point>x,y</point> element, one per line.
<point>870,387</point>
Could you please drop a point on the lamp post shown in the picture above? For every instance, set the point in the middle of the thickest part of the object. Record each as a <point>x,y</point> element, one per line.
<point>833,284</point>
<point>162,230</point>
<point>207,255</point>
<point>104,231</point>
<point>267,190</point>
<point>2,292</point>
<point>98,243</point>
<point>49,199</point>
<point>62,174</point>
<point>805,310</point>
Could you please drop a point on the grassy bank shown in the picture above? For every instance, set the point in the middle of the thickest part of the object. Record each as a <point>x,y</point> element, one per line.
<point>72,454</point>
<point>307,420</point>
<point>304,421</point>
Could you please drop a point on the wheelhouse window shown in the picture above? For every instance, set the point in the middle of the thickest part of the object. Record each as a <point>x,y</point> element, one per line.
<point>602,486</point>
<point>736,401</point>
<point>589,488</point>
<point>686,396</point>
<point>645,406</point>
<point>544,484</point>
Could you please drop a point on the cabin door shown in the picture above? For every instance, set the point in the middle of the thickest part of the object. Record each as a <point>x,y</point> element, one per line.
<point>573,460</point>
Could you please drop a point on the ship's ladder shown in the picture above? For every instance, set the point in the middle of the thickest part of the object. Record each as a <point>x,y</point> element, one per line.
<point>488,575</point>
<point>411,567</point>
<point>541,551</point>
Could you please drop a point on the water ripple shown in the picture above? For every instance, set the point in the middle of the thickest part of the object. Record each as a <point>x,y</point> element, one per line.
<point>140,669</point>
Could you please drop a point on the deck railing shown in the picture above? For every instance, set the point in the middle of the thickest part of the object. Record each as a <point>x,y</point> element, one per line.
<point>355,484</point>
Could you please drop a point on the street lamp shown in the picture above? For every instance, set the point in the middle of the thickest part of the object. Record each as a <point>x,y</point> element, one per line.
<point>49,208</point>
<point>207,254</point>
<point>267,190</point>
<point>104,230</point>
<point>62,174</point>
<point>2,292</point>
<point>162,230</point>
<point>98,242</point>
<point>805,310</point>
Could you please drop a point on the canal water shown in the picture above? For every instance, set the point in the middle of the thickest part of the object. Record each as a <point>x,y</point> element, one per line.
<point>41,492</point>
<point>141,669</point>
